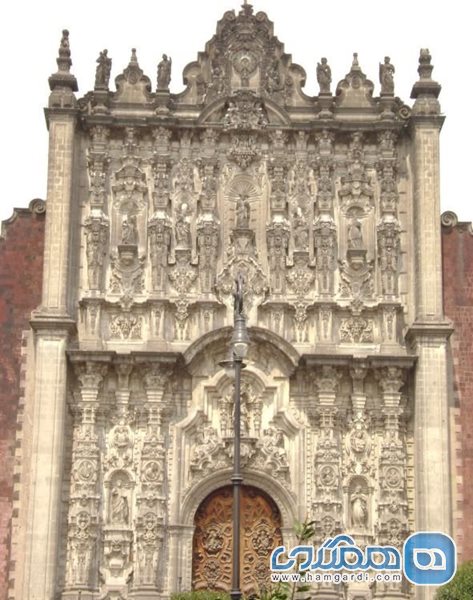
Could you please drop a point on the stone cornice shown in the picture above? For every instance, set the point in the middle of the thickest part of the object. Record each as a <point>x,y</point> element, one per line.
<point>433,330</point>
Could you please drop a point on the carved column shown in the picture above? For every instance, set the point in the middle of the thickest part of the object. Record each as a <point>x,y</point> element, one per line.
<point>119,483</point>
<point>327,505</point>
<point>392,525</point>
<point>149,569</point>
<point>84,522</point>
<point>358,470</point>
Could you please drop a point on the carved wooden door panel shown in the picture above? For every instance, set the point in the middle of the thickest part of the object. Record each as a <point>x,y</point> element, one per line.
<point>212,551</point>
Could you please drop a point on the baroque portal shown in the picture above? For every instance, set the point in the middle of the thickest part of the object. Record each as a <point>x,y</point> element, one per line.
<point>318,202</point>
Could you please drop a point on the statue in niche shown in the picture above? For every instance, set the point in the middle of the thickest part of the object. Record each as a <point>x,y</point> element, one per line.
<point>324,76</point>
<point>129,230</point>
<point>301,234</point>
<point>242,212</point>
<point>119,510</point>
<point>183,230</point>
<point>164,72</point>
<point>386,76</point>
<point>355,234</point>
<point>102,72</point>
<point>359,507</point>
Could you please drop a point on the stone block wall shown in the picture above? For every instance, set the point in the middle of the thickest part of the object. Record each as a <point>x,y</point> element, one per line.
<point>21,271</point>
<point>457,250</point>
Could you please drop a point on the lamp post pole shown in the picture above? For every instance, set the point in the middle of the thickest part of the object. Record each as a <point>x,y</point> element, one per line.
<point>239,347</point>
<point>237,480</point>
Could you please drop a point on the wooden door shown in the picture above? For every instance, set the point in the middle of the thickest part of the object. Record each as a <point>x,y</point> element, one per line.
<point>212,548</point>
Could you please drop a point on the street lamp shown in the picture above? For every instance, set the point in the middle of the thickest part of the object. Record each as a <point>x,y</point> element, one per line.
<point>238,347</point>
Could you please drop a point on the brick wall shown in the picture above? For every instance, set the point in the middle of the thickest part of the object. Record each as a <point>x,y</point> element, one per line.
<point>21,270</point>
<point>457,251</point>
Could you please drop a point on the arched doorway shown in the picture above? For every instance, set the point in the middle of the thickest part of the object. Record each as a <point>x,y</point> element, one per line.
<point>212,546</point>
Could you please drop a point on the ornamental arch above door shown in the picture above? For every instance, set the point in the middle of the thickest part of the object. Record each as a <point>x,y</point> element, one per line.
<point>212,545</point>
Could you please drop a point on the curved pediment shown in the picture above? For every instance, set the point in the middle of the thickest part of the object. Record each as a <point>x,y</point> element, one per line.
<point>244,110</point>
<point>244,55</point>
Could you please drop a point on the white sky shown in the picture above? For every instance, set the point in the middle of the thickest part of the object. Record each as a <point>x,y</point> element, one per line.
<point>30,33</point>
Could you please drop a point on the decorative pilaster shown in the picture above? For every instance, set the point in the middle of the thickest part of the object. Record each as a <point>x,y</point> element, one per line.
<point>84,521</point>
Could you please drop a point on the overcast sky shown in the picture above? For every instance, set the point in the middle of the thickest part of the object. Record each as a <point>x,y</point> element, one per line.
<point>30,33</point>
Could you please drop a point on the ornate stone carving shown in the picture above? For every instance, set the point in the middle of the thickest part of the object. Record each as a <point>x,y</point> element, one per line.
<point>130,188</point>
<point>126,276</point>
<point>277,235</point>
<point>359,505</point>
<point>356,277</point>
<point>125,326</point>
<point>244,149</point>
<point>325,242</point>
<point>389,195</point>
<point>96,233</point>
<point>272,455</point>
<point>183,274</point>
<point>160,236</point>
<point>356,190</point>
<point>207,446</point>
<point>356,330</point>
<point>389,247</point>
<point>81,550</point>
<point>301,277</point>
<point>208,235</point>
<point>245,112</point>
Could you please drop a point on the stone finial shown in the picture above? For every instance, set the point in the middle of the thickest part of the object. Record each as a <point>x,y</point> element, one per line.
<point>133,58</point>
<point>63,78</point>
<point>64,61</point>
<point>246,9</point>
<point>425,67</point>
<point>426,90</point>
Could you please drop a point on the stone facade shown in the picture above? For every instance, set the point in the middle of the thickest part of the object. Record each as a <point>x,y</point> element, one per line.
<point>328,206</point>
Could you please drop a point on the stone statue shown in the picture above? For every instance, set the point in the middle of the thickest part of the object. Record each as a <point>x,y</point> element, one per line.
<point>242,212</point>
<point>386,76</point>
<point>129,230</point>
<point>324,76</point>
<point>164,73</point>
<point>119,511</point>
<point>301,233</point>
<point>359,508</point>
<point>102,72</point>
<point>183,230</point>
<point>355,234</point>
